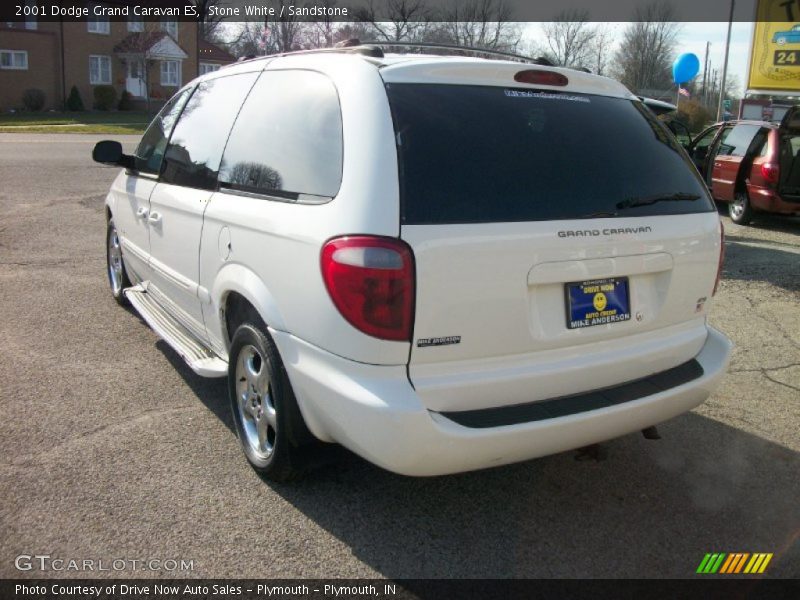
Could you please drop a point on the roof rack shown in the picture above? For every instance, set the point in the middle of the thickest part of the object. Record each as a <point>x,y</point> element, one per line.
<point>459,50</point>
<point>370,51</point>
<point>375,49</point>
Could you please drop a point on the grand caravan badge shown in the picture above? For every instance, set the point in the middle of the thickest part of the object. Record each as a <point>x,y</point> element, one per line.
<point>606,231</point>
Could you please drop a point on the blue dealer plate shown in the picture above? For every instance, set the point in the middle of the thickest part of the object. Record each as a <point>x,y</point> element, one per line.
<point>597,302</point>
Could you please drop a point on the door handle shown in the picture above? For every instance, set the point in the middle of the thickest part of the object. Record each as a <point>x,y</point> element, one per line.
<point>154,218</point>
<point>141,213</point>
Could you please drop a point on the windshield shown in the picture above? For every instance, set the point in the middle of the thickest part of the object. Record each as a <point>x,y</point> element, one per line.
<point>475,154</point>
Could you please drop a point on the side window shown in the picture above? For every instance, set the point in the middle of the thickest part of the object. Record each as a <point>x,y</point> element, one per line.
<point>705,141</point>
<point>736,141</point>
<point>701,145</point>
<point>287,139</point>
<point>195,148</point>
<point>154,141</point>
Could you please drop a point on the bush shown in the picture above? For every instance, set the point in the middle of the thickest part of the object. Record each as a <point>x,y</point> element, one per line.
<point>74,101</point>
<point>125,101</point>
<point>105,97</point>
<point>33,99</point>
<point>694,114</point>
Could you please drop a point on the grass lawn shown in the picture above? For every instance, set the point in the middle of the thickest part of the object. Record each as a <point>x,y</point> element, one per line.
<point>119,122</point>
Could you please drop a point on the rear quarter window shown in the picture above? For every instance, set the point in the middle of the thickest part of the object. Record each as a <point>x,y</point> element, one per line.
<point>476,154</point>
<point>287,140</point>
<point>738,140</point>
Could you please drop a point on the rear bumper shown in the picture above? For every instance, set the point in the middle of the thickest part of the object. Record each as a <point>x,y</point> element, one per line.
<point>375,412</point>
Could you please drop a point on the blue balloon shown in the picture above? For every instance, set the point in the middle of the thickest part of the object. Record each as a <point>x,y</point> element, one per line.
<point>685,67</point>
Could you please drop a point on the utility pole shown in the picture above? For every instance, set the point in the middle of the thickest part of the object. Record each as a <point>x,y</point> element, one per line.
<point>725,65</point>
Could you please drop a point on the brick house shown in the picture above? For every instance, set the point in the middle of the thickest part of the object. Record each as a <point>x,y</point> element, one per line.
<point>150,59</point>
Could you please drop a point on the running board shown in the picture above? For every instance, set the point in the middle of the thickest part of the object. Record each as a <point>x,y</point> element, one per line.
<point>199,358</point>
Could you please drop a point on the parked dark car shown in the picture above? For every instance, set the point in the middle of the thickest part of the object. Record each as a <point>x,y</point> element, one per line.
<point>752,165</point>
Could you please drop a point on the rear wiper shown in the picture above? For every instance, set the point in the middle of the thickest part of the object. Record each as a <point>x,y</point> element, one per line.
<point>646,200</point>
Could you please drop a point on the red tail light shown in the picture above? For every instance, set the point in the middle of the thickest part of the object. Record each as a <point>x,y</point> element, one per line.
<point>371,281</point>
<point>770,171</point>
<point>721,256</point>
<point>541,77</point>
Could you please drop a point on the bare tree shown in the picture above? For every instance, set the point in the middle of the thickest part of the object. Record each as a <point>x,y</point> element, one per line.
<point>398,20</point>
<point>271,36</point>
<point>570,38</point>
<point>601,49</point>
<point>644,58</point>
<point>322,34</point>
<point>480,24</point>
<point>209,27</point>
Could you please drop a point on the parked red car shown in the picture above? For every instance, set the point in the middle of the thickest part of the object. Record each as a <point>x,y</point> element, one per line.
<point>752,165</point>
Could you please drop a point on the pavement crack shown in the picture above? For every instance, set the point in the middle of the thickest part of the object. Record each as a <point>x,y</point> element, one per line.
<point>763,369</point>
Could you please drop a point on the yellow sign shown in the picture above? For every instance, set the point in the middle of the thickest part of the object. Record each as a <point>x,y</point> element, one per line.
<point>775,54</point>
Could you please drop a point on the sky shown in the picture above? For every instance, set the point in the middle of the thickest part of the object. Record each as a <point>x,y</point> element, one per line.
<point>692,37</point>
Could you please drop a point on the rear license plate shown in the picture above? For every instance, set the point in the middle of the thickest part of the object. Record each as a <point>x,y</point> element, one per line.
<point>597,302</point>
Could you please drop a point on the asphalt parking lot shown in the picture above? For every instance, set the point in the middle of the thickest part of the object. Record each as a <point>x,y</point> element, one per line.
<point>112,448</point>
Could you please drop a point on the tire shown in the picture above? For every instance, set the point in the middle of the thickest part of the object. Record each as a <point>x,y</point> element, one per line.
<point>115,265</point>
<point>268,422</point>
<point>739,210</point>
<point>781,41</point>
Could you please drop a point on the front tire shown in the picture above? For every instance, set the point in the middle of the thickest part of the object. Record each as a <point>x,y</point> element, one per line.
<point>740,210</point>
<point>268,422</point>
<point>115,266</point>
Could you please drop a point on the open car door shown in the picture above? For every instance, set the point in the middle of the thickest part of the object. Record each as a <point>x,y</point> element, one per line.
<point>789,155</point>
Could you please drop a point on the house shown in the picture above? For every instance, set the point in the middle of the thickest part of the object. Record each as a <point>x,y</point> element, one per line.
<point>212,57</point>
<point>149,59</point>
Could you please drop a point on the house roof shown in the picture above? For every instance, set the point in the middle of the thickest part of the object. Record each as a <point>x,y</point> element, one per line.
<point>210,52</point>
<point>157,44</point>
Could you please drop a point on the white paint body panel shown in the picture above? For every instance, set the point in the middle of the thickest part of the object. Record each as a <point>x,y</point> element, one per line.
<point>129,202</point>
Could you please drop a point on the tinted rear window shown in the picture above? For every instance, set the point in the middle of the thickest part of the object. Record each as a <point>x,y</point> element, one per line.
<point>471,154</point>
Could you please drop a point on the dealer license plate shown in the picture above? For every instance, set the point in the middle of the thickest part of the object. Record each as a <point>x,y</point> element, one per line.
<point>597,302</point>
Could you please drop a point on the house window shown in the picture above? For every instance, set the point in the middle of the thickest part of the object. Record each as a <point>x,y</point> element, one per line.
<point>14,59</point>
<point>99,25</point>
<point>170,73</point>
<point>135,24</point>
<point>208,68</point>
<point>171,27</point>
<point>100,70</point>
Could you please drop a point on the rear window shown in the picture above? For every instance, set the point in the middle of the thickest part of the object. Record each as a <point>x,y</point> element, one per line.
<point>474,154</point>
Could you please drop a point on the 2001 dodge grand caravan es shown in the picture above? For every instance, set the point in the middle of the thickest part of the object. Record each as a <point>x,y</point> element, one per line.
<point>442,263</point>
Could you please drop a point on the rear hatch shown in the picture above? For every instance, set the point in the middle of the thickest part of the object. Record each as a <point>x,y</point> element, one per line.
<point>563,240</point>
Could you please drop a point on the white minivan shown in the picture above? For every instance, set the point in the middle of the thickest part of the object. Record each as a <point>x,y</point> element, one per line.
<point>441,263</point>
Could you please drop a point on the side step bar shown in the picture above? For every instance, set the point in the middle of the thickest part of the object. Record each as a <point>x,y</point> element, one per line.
<point>199,358</point>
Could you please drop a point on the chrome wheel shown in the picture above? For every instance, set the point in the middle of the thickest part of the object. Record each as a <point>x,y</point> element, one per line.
<point>115,269</point>
<point>737,207</point>
<point>254,401</point>
<point>740,210</point>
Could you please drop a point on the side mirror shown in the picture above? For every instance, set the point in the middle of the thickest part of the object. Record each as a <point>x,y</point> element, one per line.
<point>109,152</point>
